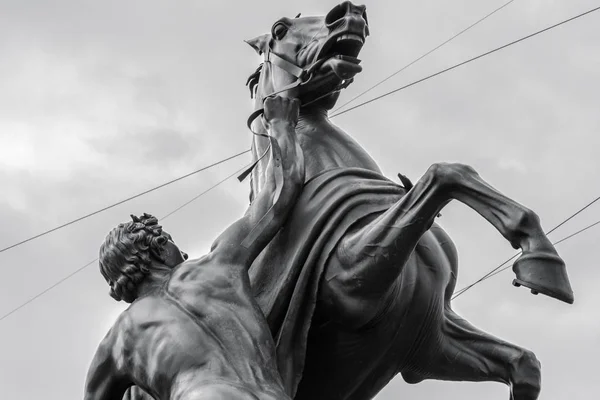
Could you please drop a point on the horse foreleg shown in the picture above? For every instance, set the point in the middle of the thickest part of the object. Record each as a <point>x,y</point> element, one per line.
<point>539,267</point>
<point>380,249</point>
<point>368,260</point>
<point>461,352</point>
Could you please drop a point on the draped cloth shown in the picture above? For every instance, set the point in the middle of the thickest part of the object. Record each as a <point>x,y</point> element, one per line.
<point>286,275</point>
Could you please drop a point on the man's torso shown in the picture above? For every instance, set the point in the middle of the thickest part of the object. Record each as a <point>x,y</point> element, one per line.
<point>202,327</point>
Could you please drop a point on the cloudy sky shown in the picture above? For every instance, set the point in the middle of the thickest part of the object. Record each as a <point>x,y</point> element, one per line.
<point>100,100</point>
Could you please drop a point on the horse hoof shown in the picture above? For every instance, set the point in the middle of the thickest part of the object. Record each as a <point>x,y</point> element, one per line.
<point>545,273</point>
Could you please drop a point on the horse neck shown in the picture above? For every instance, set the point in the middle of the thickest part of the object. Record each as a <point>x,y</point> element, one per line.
<point>314,130</point>
<point>310,121</point>
<point>270,80</point>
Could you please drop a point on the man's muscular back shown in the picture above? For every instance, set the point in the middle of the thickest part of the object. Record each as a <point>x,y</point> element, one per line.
<point>202,328</point>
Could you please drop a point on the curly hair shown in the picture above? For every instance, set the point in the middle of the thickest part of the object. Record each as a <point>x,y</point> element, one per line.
<point>127,252</point>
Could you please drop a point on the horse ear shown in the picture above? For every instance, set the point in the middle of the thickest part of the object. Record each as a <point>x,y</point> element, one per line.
<point>260,43</point>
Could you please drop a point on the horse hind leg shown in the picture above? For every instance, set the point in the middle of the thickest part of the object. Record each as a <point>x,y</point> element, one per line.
<point>465,353</point>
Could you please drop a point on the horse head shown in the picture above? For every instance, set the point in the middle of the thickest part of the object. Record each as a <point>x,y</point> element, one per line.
<point>315,53</point>
<point>310,58</point>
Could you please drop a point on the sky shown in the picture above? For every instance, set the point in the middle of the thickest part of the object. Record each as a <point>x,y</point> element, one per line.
<point>100,100</point>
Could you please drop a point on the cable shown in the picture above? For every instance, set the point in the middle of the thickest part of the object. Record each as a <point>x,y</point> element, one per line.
<point>122,201</point>
<point>489,275</point>
<point>577,233</point>
<point>343,105</point>
<point>556,243</point>
<point>334,115</point>
<point>72,274</point>
<point>464,62</point>
<point>422,57</point>
<point>40,294</point>
<point>203,193</point>
<point>483,278</point>
<point>495,270</point>
<point>573,216</point>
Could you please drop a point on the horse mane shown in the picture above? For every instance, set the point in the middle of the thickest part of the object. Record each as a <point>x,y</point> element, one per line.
<point>253,79</point>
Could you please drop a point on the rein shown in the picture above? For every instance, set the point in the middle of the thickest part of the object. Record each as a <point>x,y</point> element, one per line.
<point>303,77</point>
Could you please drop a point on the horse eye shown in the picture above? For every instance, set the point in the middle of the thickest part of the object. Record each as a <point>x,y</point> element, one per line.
<point>279,31</point>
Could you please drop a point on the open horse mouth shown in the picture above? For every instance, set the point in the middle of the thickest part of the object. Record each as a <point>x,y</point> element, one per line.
<point>346,44</point>
<point>340,53</point>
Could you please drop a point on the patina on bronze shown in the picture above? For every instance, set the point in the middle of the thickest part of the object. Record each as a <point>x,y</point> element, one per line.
<point>194,330</point>
<point>357,288</point>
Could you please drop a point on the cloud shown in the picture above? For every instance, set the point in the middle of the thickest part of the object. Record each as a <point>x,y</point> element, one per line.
<point>102,100</point>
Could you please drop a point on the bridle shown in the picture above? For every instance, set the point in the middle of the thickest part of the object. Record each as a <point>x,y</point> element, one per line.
<point>303,76</point>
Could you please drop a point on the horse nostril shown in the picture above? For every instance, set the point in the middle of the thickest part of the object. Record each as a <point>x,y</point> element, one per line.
<point>343,10</point>
<point>338,12</point>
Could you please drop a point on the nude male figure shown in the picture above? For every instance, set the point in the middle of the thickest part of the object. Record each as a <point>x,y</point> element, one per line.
<point>194,330</point>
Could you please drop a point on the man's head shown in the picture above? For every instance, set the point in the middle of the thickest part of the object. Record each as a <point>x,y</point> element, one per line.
<point>132,251</point>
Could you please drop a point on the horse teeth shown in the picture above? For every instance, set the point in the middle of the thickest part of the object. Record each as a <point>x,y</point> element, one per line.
<point>350,36</point>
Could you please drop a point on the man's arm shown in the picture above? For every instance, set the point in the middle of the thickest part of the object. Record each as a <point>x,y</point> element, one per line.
<point>104,381</point>
<point>243,241</point>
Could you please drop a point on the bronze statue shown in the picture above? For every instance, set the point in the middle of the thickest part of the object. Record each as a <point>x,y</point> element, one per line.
<point>357,287</point>
<point>193,330</point>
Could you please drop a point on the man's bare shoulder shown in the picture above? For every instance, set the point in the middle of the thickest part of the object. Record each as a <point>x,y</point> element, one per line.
<point>143,312</point>
<point>114,345</point>
<point>209,268</point>
<point>210,277</point>
<point>131,325</point>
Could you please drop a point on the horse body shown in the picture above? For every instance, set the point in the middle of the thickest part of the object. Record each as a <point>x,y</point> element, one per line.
<point>383,303</point>
<point>356,364</point>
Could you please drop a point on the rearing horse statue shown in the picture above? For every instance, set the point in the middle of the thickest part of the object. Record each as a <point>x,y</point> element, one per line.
<point>357,286</point>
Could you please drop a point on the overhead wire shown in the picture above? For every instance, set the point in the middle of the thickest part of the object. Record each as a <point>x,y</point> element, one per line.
<point>80,269</point>
<point>461,291</point>
<point>122,201</point>
<point>464,62</point>
<point>557,242</point>
<point>574,215</point>
<point>204,192</point>
<point>49,288</point>
<point>498,269</point>
<point>492,273</point>
<point>422,56</point>
<point>334,115</point>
